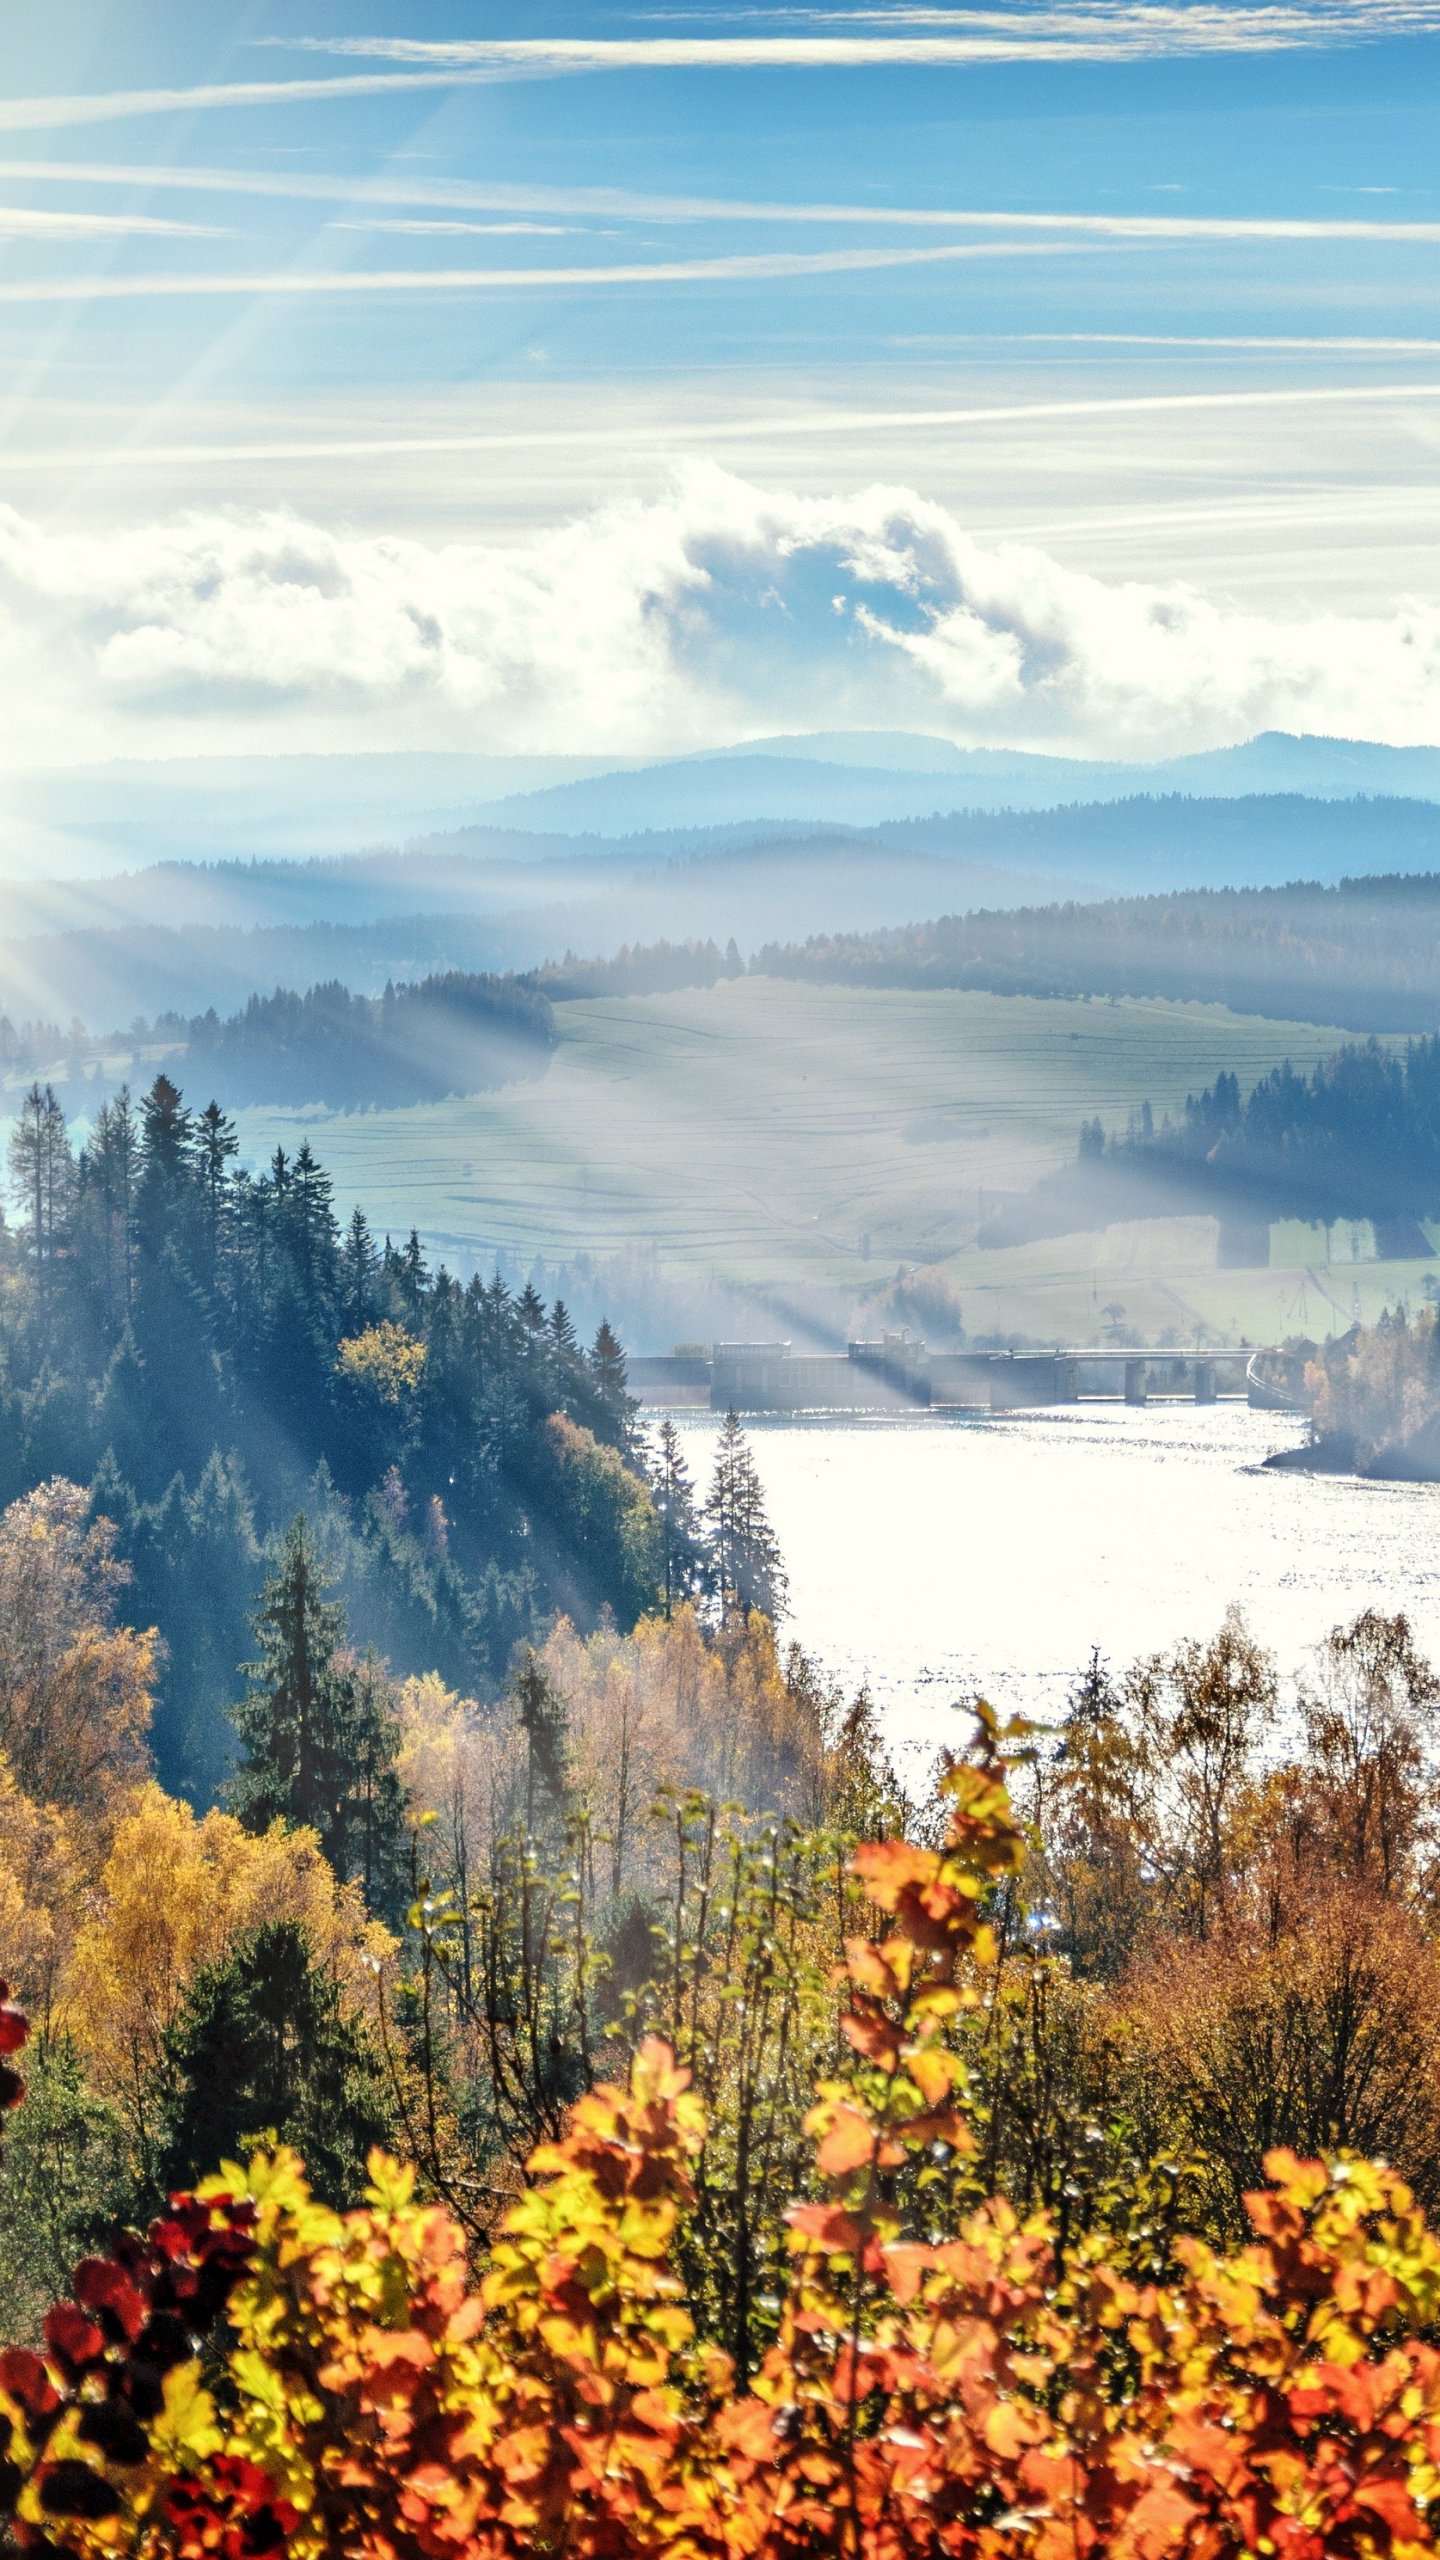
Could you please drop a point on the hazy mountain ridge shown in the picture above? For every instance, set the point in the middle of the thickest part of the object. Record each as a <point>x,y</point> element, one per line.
<point>84,821</point>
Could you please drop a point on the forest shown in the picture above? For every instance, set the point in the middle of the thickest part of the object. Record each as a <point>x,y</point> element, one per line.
<point>418,1042</point>
<point>1357,1138</point>
<point>1361,954</point>
<point>616,2119</point>
<point>208,1352</point>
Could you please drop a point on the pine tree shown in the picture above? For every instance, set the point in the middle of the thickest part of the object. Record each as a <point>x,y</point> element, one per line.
<point>318,1730</point>
<point>674,1497</point>
<point>745,1567</point>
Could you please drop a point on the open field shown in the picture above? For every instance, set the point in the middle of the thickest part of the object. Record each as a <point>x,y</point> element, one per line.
<point>791,1138</point>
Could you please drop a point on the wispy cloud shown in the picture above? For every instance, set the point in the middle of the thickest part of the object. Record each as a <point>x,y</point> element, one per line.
<point>717,611</point>
<point>625,204</point>
<point>41,222</point>
<point>766,266</point>
<point>669,434</point>
<point>438,228</point>
<point>1093,34</point>
<point>109,106</point>
<point>934,39</point>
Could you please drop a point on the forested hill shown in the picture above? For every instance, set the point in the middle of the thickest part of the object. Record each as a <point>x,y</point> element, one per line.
<point>448,1034</point>
<point>1364,954</point>
<point>1358,1138</point>
<point>445,1034</point>
<point>208,1350</point>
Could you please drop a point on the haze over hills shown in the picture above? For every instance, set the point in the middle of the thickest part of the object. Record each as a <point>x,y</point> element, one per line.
<point>185,936</point>
<point>90,821</point>
<point>828,777</point>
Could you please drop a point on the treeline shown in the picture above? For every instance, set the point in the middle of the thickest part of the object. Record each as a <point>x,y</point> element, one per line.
<point>1363,954</point>
<point>452,1032</point>
<point>639,969</point>
<point>208,1350</point>
<point>1357,1138</point>
<point>1375,1398</point>
<point>442,1035</point>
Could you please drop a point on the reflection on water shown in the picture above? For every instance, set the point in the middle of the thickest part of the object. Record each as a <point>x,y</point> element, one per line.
<point>934,1558</point>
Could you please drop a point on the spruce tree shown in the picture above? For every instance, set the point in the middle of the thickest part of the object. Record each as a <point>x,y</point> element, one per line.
<point>318,1731</point>
<point>674,1499</point>
<point>745,1567</point>
<point>607,1368</point>
<point>262,2048</point>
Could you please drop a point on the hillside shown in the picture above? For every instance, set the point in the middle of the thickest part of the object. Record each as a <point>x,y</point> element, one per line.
<point>757,1153</point>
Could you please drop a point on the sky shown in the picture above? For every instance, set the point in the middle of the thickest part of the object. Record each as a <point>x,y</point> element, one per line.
<point>1057,373</point>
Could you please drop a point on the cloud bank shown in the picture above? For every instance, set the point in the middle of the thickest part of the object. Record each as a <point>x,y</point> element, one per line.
<point>720,612</point>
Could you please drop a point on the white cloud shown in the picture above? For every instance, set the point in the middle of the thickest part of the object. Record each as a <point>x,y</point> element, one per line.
<point>454,230</point>
<point>768,265</point>
<point>40,222</point>
<point>1100,31</point>
<point>624,204</point>
<point>1133,29</point>
<point>719,612</point>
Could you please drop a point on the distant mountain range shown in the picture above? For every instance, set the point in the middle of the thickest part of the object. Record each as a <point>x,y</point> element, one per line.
<point>184,936</point>
<point>865,782</point>
<point>92,820</point>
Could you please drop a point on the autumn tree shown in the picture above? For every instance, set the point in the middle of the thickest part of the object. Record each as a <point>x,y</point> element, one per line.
<point>177,1892</point>
<point>75,1685</point>
<point>1368,1792</point>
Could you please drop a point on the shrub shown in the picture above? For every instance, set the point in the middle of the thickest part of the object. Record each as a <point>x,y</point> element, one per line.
<point>938,2383</point>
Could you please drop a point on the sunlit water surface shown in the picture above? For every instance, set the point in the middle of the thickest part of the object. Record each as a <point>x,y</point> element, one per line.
<point>935,1558</point>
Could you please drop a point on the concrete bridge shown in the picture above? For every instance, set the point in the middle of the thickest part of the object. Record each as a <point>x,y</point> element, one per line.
<point>899,1373</point>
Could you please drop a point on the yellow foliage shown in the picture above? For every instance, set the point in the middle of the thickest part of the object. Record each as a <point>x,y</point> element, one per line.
<point>1379,1387</point>
<point>665,1708</point>
<point>75,1688</point>
<point>41,1882</point>
<point>385,1358</point>
<point>176,1893</point>
<point>670,1707</point>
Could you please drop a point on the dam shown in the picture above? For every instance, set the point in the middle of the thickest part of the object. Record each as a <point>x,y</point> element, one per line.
<point>898,1373</point>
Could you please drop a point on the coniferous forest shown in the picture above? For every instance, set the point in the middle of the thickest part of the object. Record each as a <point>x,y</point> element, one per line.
<point>210,1352</point>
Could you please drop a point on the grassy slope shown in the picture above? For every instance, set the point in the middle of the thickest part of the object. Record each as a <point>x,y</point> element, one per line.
<point>763,1130</point>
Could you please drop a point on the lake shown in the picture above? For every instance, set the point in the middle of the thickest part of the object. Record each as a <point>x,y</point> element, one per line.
<point>934,1558</point>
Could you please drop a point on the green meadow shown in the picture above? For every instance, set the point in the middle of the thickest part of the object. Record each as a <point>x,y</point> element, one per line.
<point>780,1135</point>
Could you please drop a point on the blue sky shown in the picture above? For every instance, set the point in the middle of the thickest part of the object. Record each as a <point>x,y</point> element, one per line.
<point>524,377</point>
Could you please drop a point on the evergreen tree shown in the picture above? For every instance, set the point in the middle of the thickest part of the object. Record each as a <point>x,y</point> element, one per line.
<point>167,1165</point>
<point>547,1756</point>
<point>745,1567</point>
<point>359,1277</point>
<point>42,1173</point>
<point>317,1729</point>
<point>607,1368</point>
<point>674,1498</point>
<point>563,1337</point>
<point>262,2048</point>
<point>217,1143</point>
